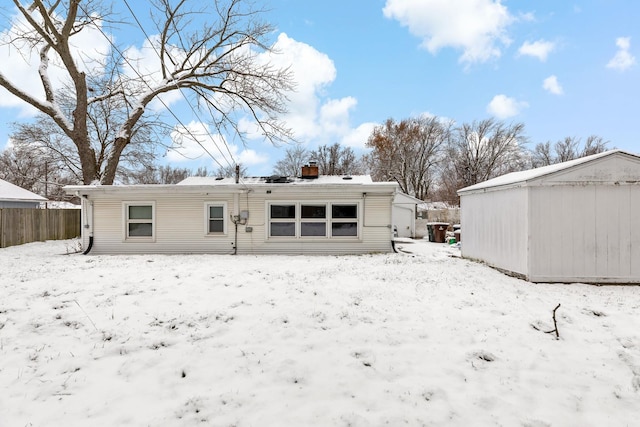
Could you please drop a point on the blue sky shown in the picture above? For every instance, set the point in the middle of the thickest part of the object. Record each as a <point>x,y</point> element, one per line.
<point>562,68</point>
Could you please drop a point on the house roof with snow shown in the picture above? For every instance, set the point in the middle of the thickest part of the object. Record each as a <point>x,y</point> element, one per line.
<point>12,193</point>
<point>219,185</point>
<point>275,179</point>
<point>522,177</point>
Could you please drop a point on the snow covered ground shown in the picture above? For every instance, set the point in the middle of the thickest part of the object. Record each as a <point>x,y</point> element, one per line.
<point>421,337</point>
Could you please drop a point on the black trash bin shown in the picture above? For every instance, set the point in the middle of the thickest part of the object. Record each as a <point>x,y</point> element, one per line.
<point>430,232</point>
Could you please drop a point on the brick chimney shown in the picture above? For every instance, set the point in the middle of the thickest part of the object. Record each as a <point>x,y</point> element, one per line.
<point>310,171</point>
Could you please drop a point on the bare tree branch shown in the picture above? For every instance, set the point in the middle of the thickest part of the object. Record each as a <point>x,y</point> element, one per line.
<point>215,50</point>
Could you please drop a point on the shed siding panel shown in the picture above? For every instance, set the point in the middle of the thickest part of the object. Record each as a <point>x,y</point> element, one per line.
<point>634,230</point>
<point>603,170</point>
<point>586,233</point>
<point>494,228</point>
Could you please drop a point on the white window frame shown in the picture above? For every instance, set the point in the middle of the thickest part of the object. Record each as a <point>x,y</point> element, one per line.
<point>282,220</point>
<point>126,221</point>
<point>333,220</point>
<point>225,219</point>
<point>328,220</point>
<point>324,220</point>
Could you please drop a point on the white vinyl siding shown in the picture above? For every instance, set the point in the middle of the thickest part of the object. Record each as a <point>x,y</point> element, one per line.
<point>139,221</point>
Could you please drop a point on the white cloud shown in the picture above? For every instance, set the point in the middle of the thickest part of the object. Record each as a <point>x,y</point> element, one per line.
<point>357,138</point>
<point>192,142</point>
<point>197,141</point>
<point>551,85</point>
<point>539,49</point>
<point>312,116</point>
<point>334,115</point>
<point>249,157</point>
<point>477,27</point>
<point>502,107</point>
<point>144,64</point>
<point>20,63</point>
<point>623,59</point>
<point>312,71</point>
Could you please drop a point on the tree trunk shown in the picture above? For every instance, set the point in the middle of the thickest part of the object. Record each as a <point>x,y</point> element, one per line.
<point>112,162</point>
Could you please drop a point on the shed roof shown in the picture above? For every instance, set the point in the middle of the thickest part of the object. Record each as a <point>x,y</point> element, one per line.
<point>13,193</point>
<point>531,174</point>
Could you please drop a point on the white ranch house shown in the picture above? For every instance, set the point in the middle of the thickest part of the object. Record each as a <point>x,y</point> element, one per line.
<point>273,215</point>
<point>577,221</point>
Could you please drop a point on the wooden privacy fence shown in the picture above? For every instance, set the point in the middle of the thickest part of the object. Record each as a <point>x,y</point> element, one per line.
<point>19,226</point>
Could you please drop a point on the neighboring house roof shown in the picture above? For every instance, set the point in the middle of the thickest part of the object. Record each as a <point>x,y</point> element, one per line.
<point>529,175</point>
<point>56,204</point>
<point>13,193</point>
<point>427,206</point>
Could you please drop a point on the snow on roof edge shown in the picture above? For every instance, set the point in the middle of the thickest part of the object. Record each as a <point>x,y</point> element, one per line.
<point>528,175</point>
<point>12,193</point>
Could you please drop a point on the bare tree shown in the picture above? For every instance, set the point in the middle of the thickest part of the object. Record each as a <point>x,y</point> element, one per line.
<point>294,158</point>
<point>35,171</point>
<point>408,152</point>
<point>337,160</point>
<point>230,171</point>
<point>166,174</point>
<point>45,136</point>
<point>567,149</point>
<point>210,49</point>
<point>479,151</point>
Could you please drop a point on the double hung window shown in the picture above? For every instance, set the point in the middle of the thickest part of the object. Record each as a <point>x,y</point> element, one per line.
<point>139,218</point>
<point>215,214</point>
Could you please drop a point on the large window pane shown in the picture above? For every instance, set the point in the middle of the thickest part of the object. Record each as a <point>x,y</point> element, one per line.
<point>283,211</point>
<point>344,229</point>
<point>344,211</point>
<point>313,229</point>
<point>140,212</point>
<point>216,226</point>
<point>309,211</point>
<point>283,229</point>
<point>140,229</point>
<point>216,211</point>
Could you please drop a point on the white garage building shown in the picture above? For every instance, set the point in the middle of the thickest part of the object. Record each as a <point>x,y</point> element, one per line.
<point>577,221</point>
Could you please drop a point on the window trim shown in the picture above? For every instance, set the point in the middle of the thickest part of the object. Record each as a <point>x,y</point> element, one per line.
<point>224,219</point>
<point>126,221</point>
<point>328,220</point>
<point>293,220</point>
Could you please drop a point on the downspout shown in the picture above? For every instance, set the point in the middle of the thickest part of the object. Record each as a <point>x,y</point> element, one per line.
<point>88,223</point>
<point>236,218</point>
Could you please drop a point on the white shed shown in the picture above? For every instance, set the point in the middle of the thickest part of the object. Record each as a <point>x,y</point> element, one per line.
<point>577,221</point>
<point>318,215</point>
<point>404,214</point>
